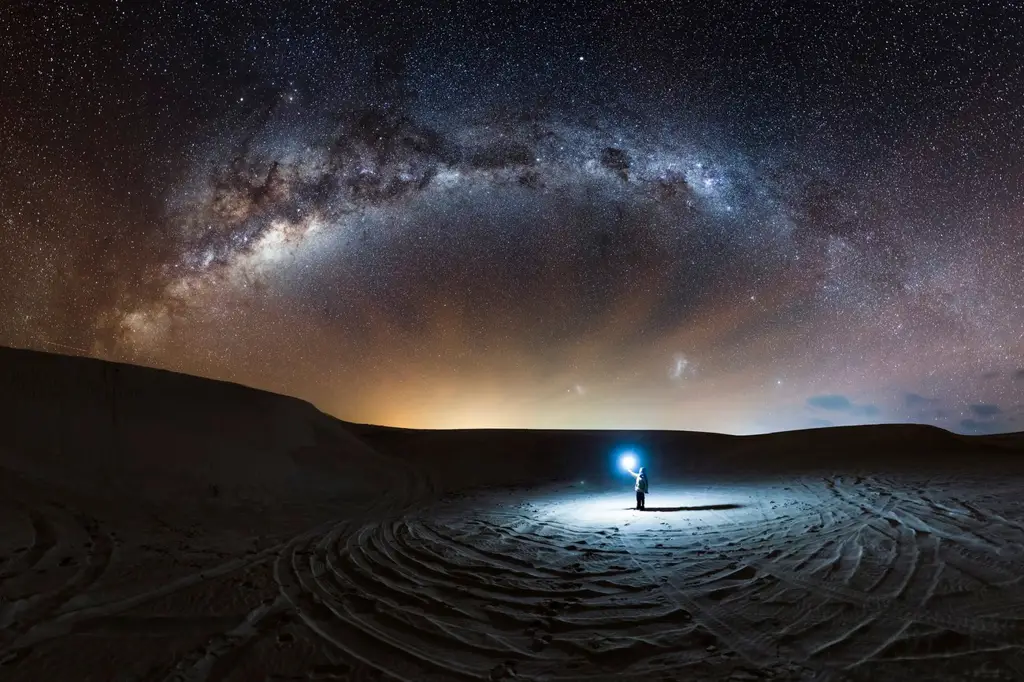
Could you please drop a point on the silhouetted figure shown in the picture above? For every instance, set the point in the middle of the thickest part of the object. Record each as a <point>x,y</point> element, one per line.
<point>640,487</point>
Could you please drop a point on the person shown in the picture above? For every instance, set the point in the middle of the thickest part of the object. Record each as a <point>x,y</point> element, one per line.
<point>640,487</point>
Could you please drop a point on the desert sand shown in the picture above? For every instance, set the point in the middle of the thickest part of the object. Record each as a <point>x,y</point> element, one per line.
<point>155,526</point>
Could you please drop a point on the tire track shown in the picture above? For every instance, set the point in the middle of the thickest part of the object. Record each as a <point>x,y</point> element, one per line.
<point>17,616</point>
<point>44,540</point>
<point>833,580</point>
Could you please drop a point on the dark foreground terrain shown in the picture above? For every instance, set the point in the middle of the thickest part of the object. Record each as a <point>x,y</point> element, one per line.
<point>155,526</point>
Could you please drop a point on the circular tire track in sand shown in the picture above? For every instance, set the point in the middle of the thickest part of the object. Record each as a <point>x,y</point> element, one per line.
<point>879,594</point>
<point>504,594</point>
<point>68,553</point>
<point>850,579</point>
<point>55,612</point>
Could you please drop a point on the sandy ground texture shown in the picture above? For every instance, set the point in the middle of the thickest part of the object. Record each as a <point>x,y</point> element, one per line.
<point>146,533</point>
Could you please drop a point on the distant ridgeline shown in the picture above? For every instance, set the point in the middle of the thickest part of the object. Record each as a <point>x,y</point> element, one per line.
<point>153,434</point>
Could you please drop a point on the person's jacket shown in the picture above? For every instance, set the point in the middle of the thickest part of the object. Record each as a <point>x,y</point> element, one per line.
<point>641,483</point>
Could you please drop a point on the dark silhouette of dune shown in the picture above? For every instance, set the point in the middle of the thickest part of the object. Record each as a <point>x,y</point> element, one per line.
<point>136,432</point>
<point>149,433</point>
<point>531,456</point>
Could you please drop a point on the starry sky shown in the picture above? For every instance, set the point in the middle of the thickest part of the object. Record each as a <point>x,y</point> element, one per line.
<point>703,216</point>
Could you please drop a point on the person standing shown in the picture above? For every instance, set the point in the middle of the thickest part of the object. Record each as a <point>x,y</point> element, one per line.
<point>640,487</point>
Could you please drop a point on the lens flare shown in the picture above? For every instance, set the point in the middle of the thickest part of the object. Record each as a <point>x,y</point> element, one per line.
<point>628,461</point>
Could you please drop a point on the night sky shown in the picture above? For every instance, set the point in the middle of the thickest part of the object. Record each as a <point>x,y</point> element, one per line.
<point>529,214</point>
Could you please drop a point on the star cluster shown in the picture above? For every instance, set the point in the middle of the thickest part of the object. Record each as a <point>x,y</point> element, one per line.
<point>530,214</point>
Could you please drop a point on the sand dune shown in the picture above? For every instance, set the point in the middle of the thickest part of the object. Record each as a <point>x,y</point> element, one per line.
<point>161,527</point>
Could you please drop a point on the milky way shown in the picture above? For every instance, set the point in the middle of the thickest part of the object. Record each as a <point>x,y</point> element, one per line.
<point>433,216</point>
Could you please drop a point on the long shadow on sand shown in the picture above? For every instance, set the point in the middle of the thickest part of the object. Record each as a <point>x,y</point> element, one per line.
<point>706,507</point>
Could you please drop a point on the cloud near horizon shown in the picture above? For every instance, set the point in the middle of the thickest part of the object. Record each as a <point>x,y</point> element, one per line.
<point>986,410</point>
<point>840,403</point>
<point>917,401</point>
